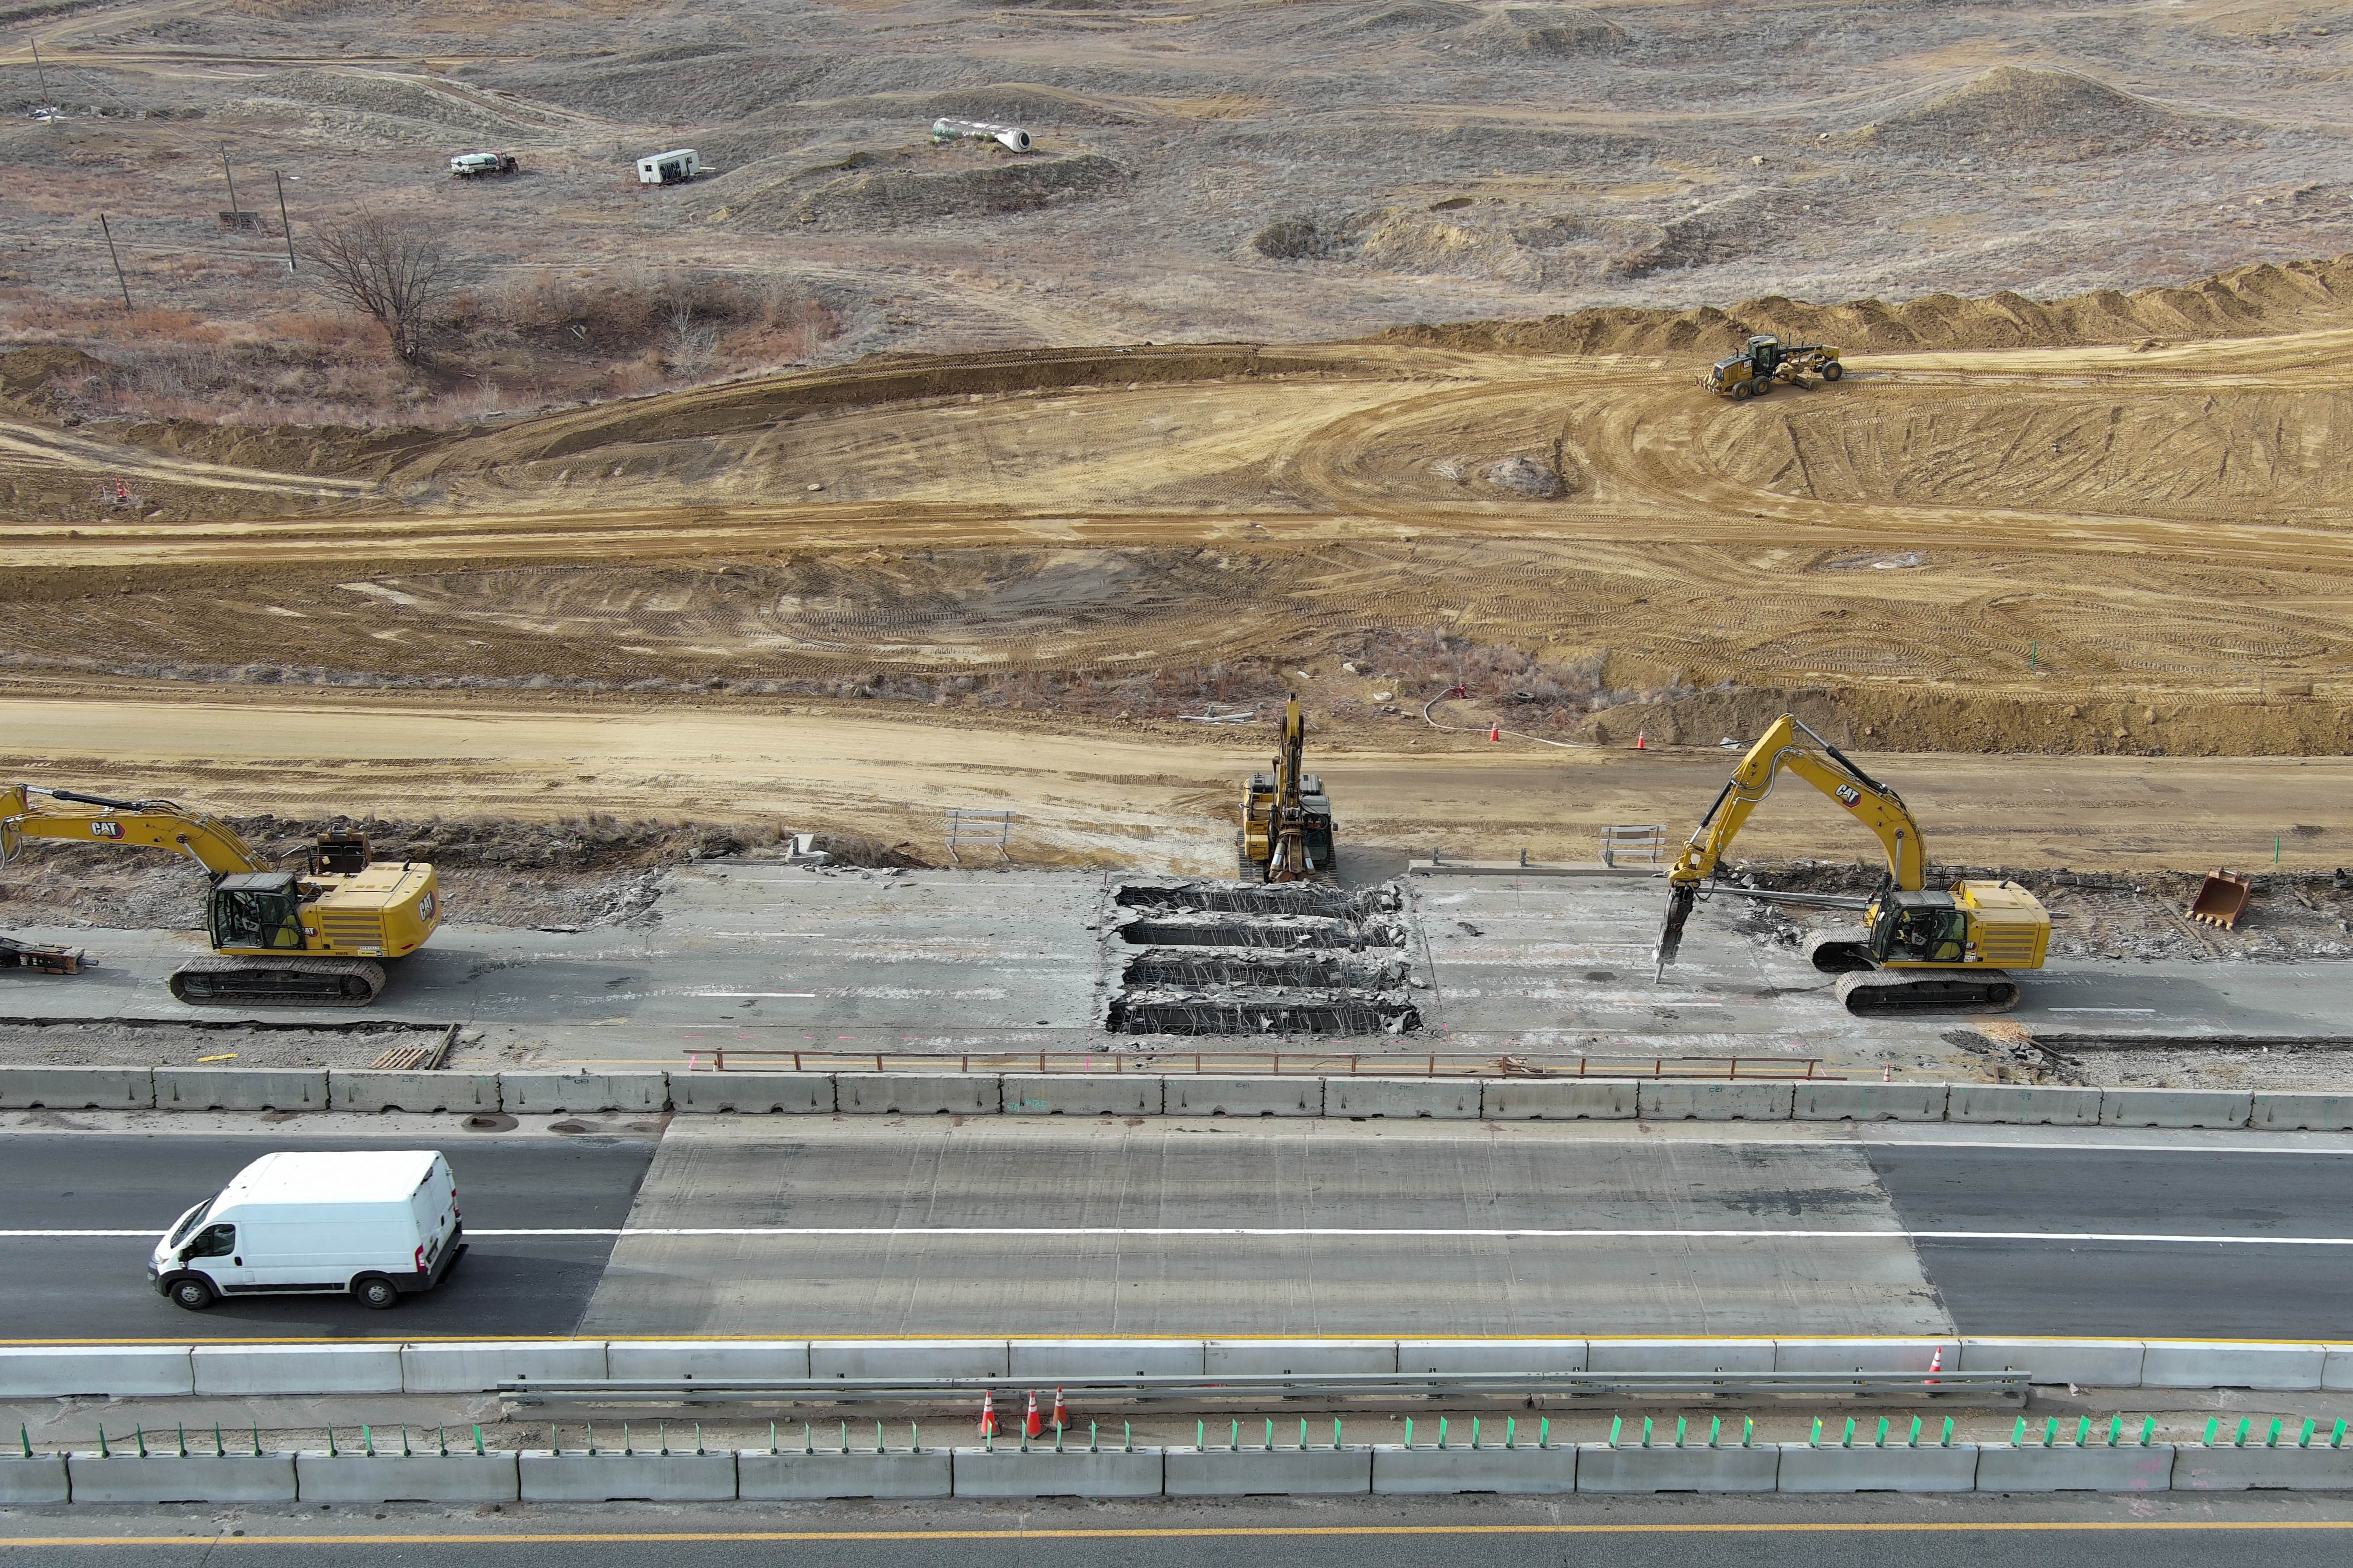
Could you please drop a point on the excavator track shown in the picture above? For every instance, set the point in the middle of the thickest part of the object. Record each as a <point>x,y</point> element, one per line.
<point>294,981</point>
<point>1841,953</point>
<point>1878,991</point>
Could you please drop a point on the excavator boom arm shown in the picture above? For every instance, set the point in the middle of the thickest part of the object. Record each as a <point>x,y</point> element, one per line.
<point>149,824</point>
<point>1789,745</point>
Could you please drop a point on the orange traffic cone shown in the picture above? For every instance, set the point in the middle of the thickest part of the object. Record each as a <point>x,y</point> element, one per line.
<point>1030,1423</point>
<point>1062,1414</point>
<point>1641,739</point>
<point>987,1414</point>
<point>1494,731</point>
<point>1936,1363</point>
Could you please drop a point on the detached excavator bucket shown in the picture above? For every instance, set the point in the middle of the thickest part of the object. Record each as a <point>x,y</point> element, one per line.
<point>2222,900</point>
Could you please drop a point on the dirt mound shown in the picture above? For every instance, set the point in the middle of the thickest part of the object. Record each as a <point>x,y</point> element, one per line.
<point>1349,21</point>
<point>1544,33</point>
<point>30,377</point>
<point>1413,240</point>
<point>2248,302</point>
<point>1020,103</point>
<point>1461,238</point>
<point>2015,110</point>
<point>1357,21</point>
<point>1728,230</point>
<point>1915,719</point>
<point>882,379</point>
<point>398,97</point>
<point>898,199</point>
<point>1525,476</point>
<point>1295,239</point>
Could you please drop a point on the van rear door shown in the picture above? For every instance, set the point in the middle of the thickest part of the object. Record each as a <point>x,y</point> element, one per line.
<point>434,1208</point>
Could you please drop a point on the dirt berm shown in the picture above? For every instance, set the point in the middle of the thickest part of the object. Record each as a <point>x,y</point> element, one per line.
<point>895,199</point>
<point>724,409</point>
<point>2248,302</point>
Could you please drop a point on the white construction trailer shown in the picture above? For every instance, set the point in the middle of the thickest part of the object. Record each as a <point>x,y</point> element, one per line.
<point>669,168</point>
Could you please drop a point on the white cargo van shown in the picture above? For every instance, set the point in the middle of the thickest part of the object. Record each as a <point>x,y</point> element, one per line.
<point>375,1224</point>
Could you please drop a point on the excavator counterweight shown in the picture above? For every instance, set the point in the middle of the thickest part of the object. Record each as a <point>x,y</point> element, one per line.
<point>1919,949</point>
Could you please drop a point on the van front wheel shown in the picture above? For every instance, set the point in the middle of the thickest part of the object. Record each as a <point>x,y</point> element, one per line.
<point>192,1293</point>
<point>376,1292</point>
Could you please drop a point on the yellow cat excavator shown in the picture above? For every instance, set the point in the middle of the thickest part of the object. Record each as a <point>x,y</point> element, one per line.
<point>1919,949</point>
<point>1286,831</point>
<point>317,937</point>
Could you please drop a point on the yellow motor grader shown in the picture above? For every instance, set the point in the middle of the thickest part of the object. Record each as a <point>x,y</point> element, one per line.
<point>1753,372</point>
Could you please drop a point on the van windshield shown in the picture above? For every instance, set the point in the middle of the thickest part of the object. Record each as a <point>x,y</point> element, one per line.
<point>195,1216</point>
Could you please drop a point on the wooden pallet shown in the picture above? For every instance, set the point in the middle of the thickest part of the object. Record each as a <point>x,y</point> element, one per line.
<point>419,1059</point>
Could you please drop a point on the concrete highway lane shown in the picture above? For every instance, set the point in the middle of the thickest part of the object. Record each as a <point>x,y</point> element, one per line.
<point>832,1227</point>
<point>87,1287</point>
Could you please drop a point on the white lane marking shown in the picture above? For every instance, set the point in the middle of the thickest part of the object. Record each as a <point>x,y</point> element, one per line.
<point>1523,1233</point>
<point>1880,1138</point>
<point>1294,1232</point>
<point>802,994</point>
<point>2099,1009</point>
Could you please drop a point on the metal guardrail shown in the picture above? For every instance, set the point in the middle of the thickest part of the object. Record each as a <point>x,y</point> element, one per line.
<point>1943,1388</point>
<point>1642,846</point>
<point>1308,1064</point>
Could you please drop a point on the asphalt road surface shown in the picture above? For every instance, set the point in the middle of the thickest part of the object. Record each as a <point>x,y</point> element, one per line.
<point>79,1287</point>
<point>1402,1533</point>
<point>2224,1290</point>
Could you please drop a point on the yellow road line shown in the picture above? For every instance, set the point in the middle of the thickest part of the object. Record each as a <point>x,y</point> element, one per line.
<point>585,1538</point>
<point>839,1338</point>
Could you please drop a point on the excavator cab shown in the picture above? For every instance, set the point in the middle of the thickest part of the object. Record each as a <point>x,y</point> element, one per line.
<point>1920,928</point>
<point>257,911</point>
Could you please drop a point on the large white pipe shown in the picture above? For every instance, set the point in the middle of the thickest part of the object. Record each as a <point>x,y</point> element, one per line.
<point>1010,137</point>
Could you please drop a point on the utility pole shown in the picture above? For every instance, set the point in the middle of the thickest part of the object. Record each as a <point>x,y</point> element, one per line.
<point>232,187</point>
<point>42,71</point>
<point>116,259</point>
<point>283,219</point>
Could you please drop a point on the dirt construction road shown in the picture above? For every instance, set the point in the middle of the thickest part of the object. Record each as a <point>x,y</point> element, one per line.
<point>1150,802</point>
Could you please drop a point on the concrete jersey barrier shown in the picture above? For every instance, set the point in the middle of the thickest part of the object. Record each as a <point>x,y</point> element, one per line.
<point>1355,1096</point>
<point>260,1368</point>
<point>1008,1469</point>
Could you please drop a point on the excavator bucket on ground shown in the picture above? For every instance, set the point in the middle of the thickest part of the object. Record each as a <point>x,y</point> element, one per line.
<point>2222,900</point>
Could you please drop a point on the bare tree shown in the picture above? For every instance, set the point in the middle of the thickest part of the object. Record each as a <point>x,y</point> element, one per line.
<point>397,272</point>
<point>692,348</point>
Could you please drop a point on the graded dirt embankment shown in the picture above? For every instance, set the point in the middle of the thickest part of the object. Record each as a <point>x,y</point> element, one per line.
<point>1157,801</point>
<point>2126,549</point>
